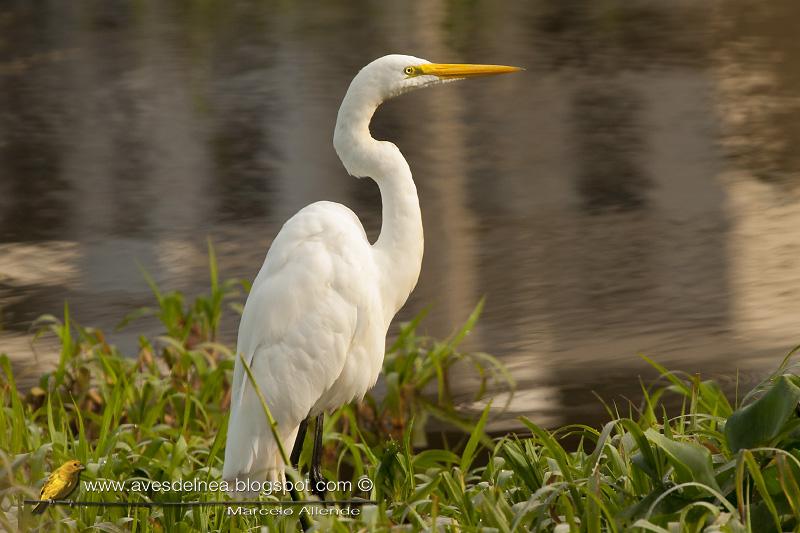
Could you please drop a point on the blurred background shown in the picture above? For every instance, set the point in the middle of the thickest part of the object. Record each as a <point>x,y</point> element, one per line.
<point>636,190</point>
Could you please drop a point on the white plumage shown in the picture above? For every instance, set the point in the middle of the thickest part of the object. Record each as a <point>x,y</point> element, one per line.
<point>314,326</point>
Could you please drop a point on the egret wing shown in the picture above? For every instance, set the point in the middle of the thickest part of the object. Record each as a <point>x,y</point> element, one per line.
<point>296,331</point>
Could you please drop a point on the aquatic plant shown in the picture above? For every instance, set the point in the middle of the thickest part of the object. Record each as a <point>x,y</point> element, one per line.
<point>160,416</point>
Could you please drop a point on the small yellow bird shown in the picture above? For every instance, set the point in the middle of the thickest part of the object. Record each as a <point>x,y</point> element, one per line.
<point>60,483</point>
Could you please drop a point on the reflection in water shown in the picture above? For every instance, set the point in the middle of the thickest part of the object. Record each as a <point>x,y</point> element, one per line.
<point>758,76</point>
<point>34,202</point>
<point>610,36</point>
<point>608,144</point>
<point>633,191</point>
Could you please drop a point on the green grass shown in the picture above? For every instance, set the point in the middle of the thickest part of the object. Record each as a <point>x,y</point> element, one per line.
<point>161,414</point>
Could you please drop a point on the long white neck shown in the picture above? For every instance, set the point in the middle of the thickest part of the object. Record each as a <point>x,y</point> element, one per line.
<point>398,250</point>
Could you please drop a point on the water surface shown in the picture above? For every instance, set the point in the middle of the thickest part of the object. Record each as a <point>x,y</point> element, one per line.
<point>635,190</point>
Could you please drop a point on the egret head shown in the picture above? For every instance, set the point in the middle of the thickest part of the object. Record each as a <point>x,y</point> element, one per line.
<point>395,74</point>
<point>384,78</point>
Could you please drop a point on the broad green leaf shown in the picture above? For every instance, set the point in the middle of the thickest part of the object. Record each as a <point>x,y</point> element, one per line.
<point>691,462</point>
<point>761,421</point>
<point>646,461</point>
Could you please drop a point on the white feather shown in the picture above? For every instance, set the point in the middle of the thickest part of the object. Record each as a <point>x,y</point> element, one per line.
<point>314,326</point>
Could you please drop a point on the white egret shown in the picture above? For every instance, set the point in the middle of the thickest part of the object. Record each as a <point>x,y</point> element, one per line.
<point>314,326</point>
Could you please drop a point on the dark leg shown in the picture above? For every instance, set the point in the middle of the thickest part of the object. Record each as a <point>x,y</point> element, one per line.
<point>298,443</point>
<point>305,522</point>
<point>317,481</point>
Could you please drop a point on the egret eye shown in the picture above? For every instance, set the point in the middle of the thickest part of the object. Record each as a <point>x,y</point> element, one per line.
<point>409,71</point>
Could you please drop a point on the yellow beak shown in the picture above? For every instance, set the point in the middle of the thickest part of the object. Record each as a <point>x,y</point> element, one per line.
<point>457,70</point>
